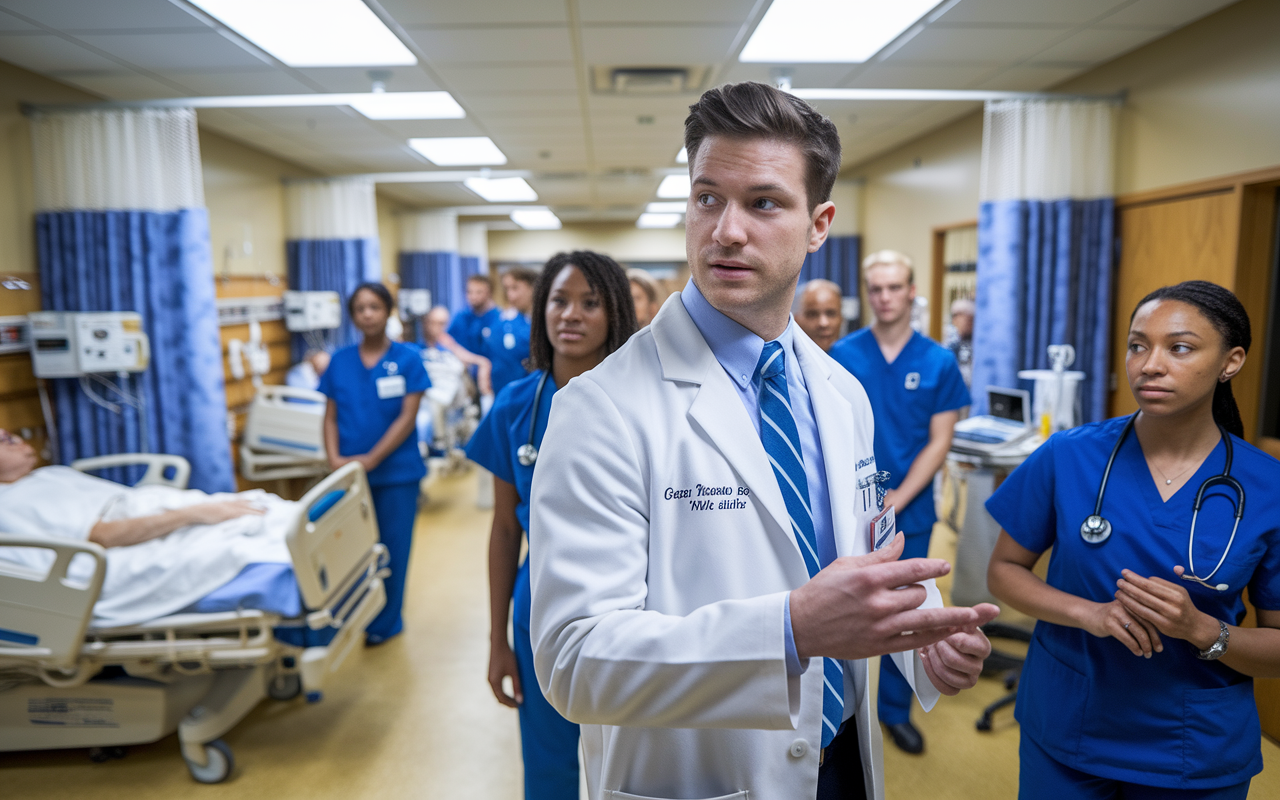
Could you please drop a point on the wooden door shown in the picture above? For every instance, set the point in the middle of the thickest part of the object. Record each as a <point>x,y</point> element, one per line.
<point>1166,242</point>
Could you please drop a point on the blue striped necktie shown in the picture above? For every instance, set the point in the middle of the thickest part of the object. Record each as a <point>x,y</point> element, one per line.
<point>782,444</point>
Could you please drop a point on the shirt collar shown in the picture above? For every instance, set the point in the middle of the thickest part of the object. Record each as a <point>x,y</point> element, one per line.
<point>736,348</point>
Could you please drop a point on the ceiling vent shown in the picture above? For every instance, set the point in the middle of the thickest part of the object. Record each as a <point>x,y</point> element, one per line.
<point>648,81</point>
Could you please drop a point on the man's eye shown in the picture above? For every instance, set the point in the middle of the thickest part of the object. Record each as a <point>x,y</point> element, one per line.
<point>765,204</point>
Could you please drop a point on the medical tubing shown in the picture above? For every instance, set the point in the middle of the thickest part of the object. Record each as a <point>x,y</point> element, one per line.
<point>95,397</point>
<point>50,429</point>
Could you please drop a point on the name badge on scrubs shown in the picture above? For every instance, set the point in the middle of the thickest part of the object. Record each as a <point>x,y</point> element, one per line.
<point>390,386</point>
<point>883,528</point>
<point>509,341</point>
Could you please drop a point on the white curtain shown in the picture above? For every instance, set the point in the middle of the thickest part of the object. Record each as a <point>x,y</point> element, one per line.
<point>331,209</point>
<point>128,159</point>
<point>430,232</point>
<point>1048,150</point>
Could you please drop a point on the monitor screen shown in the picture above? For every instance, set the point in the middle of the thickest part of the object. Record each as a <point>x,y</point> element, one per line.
<point>1008,405</point>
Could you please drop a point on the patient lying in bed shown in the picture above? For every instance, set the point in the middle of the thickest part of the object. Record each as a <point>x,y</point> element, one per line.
<point>169,550</point>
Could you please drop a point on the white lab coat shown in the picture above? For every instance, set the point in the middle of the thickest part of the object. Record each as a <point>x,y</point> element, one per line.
<point>658,622</point>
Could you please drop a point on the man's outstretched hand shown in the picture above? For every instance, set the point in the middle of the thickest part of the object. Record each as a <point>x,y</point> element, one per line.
<point>864,606</point>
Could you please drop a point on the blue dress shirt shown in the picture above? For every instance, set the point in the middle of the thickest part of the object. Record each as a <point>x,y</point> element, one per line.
<point>738,351</point>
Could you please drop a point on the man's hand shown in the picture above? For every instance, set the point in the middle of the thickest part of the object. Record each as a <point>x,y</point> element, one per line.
<point>864,606</point>
<point>955,663</point>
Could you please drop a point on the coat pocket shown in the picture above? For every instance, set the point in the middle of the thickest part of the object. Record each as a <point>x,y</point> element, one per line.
<point>1221,732</point>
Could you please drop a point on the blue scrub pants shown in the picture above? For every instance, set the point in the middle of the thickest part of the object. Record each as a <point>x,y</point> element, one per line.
<point>549,741</point>
<point>1043,776</point>
<point>894,701</point>
<point>396,507</point>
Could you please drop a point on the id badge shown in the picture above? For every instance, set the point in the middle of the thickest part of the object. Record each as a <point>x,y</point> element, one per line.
<point>390,386</point>
<point>883,529</point>
<point>509,341</point>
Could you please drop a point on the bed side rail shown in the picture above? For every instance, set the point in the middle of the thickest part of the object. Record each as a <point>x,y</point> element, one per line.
<point>157,465</point>
<point>333,535</point>
<point>45,617</point>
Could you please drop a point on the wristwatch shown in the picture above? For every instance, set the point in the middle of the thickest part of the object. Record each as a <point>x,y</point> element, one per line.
<point>1219,647</point>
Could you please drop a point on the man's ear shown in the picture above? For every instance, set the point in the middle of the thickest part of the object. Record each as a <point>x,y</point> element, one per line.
<point>820,226</point>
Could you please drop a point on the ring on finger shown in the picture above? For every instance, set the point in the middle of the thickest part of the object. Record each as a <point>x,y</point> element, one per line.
<point>1126,626</point>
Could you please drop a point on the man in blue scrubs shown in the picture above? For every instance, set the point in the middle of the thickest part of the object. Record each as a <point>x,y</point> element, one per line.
<point>916,393</point>
<point>471,325</point>
<point>507,342</point>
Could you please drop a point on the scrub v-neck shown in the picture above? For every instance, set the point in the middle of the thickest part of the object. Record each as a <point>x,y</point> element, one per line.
<point>1163,510</point>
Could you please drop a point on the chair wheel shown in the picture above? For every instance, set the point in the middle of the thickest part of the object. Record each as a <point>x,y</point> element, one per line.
<point>218,763</point>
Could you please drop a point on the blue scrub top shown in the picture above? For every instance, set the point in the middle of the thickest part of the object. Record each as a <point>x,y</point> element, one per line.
<point>469,329</point>
<point>507,345</point>
<point>505,428</point>
<point>1173,720</point>
<point>922,381</point>
<point>363,417</point>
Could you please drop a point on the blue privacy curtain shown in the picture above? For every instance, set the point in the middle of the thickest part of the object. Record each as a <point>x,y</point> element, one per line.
<point>121,226</point>
<point>332,244</point>
<point>430,257</point>
<point>837,261</point>
<point>1046,244</point>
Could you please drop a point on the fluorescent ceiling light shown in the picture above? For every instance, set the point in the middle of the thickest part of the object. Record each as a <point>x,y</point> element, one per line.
<point>536,219</point>
<point>672,207</point>
<point>313,33</point>
<point>683,156</point>
<point>409,105</point>
<point>502,190</point>
<point>459,151</point>
<point>648,220</point>
<point>674,186</point>
<point>830,31</point>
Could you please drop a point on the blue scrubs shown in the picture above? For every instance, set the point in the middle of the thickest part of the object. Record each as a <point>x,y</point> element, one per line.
<point>922,381</point>
<point>1171,721</point>
<point>363,417</point>
<point>549,741</point>
<point>507,345</point>
<point>470,329</point>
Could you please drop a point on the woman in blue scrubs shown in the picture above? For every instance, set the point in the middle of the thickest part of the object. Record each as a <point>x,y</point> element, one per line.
<point>582,313</point>
<point>374,389</point>
<point>1138,682</point>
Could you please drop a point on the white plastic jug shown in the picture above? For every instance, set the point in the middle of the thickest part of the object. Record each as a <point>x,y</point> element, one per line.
<point>1056,397</point>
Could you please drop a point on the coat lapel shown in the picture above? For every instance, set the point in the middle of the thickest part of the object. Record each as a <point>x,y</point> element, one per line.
<point>718,412</point>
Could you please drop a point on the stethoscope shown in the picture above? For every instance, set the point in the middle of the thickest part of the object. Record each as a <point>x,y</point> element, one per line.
<point>1096,529</point>
<point>527,454</point>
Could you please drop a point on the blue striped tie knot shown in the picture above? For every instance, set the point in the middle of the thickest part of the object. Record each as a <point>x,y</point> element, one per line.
<point>781,439</point>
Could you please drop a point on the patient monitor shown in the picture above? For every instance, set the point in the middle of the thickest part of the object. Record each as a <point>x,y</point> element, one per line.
<point>72,344</point>
<point>312,311</point>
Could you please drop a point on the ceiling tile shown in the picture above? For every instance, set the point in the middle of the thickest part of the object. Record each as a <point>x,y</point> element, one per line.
<point>509,104</point>
<point>892,75</point>
<point>412,13</point>
<point>975,45</point>
<point>120,85</point>
<point>1168,13</point>
<point>356,79</point>
<point>1035,12</point>
<point>658,45</point>
<point>814,75</point>
<point>8,22</point>
<point>1094,45</point>
<point>505,80</point>
<point>47,53</point>
<point>264,80</point>
<point>1030,77</point>
<point>496,45</point>
<point>188,50</point>
<point>666,11</point>
<point>77,15</point>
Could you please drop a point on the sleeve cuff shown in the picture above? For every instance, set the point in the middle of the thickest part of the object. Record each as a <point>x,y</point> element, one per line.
<point>794,667</point>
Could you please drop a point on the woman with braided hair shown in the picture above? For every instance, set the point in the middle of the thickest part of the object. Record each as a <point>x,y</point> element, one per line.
<point>582,312</point>
<point>1139,682</point>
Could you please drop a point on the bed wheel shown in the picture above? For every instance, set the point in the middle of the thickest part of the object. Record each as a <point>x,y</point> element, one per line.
<point>285,686</point>
<point>99,755</point>
<point>218,763</point>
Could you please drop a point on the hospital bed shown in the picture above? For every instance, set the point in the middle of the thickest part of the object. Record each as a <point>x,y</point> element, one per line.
<point>284,435</point>
<point>65,684</point>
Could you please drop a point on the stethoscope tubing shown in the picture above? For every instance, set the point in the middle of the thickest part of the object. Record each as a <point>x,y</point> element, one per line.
<point>527,455</point>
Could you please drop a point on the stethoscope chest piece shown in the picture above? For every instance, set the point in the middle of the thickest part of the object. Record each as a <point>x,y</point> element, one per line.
<point>1095,529</point>
<point>527,455</point>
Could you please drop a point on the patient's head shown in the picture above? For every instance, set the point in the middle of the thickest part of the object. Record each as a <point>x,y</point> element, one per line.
<point>17,458</point>
<point>435,324</point>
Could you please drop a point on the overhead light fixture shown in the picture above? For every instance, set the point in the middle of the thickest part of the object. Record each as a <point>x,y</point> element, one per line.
<point>648,220</point>
<point>851,31</point>
<point>536,219</point>
<point>672,207</point>
<point>683,156</point>
<point>460,151</point>
<point>313,33</point>
<point>408,105</point>
<point>502,190</point>
<point>674,186</point>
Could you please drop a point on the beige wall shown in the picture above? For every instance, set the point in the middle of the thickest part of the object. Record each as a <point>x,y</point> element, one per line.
<point>624,242</point>
<point>389,240</point>
<point>1203,102</point>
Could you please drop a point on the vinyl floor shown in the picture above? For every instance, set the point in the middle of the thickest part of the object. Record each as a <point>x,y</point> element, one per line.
<point>414,718</point>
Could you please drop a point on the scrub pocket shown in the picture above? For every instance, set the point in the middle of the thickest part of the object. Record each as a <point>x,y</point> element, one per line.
<point>1221,732</point>
<point>1051,701</point>
<point>624,796</point>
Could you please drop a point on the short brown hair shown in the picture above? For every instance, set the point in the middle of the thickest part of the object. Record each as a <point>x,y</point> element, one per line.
<point>752,110</point>
<point>522,274</point>
<point>479,278</point>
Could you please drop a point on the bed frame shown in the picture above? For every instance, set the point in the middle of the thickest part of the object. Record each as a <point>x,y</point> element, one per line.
<point>198,674</point>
